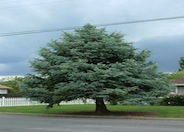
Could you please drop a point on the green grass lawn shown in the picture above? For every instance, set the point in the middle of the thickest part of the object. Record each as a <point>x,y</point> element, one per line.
<point>155,111</point>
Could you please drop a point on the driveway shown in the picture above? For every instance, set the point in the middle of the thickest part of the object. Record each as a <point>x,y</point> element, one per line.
<point>26,123</point>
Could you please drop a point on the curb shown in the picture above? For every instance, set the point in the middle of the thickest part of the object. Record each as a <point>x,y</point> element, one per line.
<point>93,116</point>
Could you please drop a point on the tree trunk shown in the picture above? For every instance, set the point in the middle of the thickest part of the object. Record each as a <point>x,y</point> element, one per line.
<point>100,106</point>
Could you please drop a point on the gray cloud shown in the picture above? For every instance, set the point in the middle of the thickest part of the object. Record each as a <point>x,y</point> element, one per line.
<point>19,68</point>
<point>166,51</point>
<point>16,51</point>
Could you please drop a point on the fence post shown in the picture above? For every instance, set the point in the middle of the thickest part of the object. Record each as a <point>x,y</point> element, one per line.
<point>3,100</point>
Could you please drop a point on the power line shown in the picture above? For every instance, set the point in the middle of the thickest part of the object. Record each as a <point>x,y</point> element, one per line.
<point>142,21</point>
<point>9,2</point>
<point>38,31</point>
<point>33,4</point>
<point>97,25</point>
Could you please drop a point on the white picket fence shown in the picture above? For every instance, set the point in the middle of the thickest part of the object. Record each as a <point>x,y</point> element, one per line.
<point>4,102</point>
<point>17,102</point>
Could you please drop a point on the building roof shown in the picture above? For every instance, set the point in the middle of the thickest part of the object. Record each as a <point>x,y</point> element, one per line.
<point>179,81</point>
<point>4,87</point>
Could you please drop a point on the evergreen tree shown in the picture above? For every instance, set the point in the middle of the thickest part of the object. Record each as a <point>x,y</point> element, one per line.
<point>181,63</point>
<point>93,64</point>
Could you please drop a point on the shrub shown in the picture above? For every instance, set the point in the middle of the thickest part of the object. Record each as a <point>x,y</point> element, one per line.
<point>173,100</point>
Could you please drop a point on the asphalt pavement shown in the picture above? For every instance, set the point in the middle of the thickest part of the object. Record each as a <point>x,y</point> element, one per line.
<point>33,123</point>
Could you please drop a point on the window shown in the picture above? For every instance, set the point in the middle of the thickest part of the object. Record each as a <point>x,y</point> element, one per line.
<point>3,91</point>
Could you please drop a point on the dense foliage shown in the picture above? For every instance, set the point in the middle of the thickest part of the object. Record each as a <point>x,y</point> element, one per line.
<point>91,63</point>
<point>176,75</point>
<point>173,100</point>
<point>14,84</point>
<point>181,63</point>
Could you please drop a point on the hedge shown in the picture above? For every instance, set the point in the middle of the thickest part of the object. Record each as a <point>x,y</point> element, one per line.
<point>173,100</point>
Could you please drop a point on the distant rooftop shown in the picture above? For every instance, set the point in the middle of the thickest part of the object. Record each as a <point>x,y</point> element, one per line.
<point>4,87</point>
<point>179,81</point>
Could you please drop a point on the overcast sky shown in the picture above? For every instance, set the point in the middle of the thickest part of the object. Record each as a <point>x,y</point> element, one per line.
<point>165,39</point>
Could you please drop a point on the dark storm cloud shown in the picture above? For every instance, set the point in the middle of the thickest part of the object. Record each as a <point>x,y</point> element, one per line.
<point>17,68</point>
<point>166,51</point>
<point>17,51</point>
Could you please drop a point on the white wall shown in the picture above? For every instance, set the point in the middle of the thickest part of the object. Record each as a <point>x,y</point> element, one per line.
<point>8,78</point>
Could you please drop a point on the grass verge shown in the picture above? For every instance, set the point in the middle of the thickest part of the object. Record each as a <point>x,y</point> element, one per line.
<point>155,111</point>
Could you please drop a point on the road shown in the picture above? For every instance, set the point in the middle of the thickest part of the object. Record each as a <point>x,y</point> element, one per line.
<point>25,123</point>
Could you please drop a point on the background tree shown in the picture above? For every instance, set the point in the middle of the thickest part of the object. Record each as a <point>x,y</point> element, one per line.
<point>92,64</point>
<point>176,75</point>
<point>180,73</point>
<point>14,84</point>
<point>181,63</point>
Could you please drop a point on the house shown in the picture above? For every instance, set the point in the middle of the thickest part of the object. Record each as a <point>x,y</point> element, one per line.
<point>4,89</point>
<point>179,83</point>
